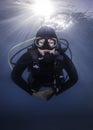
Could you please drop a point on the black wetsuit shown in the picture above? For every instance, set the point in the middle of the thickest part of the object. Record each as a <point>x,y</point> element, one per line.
<point>45,73</point>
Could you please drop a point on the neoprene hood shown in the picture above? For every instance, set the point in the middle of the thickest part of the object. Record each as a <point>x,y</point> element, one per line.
<point>46,31</point>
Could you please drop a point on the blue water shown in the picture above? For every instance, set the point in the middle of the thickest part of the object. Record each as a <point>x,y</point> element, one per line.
<point>71,110</point>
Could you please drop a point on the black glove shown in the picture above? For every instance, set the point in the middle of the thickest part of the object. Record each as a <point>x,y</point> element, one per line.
<point>48,58</point>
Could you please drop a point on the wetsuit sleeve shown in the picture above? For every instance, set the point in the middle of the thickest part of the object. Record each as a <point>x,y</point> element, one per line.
<point>71,72</point>
<point>18,70</point>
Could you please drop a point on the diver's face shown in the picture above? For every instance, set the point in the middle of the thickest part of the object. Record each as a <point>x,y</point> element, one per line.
<point>43,52</point>
<point>46,45</point>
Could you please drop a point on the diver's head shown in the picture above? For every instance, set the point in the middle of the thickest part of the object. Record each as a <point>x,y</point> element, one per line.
<point>46,40</point>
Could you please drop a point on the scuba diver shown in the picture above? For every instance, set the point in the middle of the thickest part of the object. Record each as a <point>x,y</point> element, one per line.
<point>46,62</point>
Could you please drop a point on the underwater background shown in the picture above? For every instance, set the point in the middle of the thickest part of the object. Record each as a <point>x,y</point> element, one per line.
<point>73,109</point>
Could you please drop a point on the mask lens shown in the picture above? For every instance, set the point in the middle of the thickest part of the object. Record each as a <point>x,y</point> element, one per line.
<point>51,42</point>
<point>41,42</point>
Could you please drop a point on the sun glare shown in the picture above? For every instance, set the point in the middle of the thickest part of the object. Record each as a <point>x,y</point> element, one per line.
<point>43,8</point>
<point>46,13</point>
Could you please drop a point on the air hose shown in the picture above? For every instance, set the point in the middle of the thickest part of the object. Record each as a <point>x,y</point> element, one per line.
<point>10,59</point>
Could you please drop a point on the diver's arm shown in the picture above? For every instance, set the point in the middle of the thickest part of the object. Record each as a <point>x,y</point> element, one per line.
<point>18,70</point>
<point>71,72</point>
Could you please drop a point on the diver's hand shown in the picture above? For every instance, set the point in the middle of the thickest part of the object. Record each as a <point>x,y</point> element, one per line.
<point>48,58</point>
